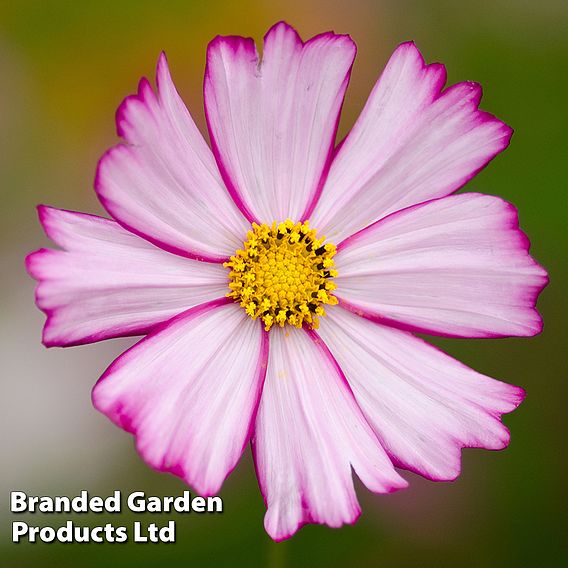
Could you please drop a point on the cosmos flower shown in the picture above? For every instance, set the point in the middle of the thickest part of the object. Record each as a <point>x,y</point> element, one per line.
<point>260,329</point>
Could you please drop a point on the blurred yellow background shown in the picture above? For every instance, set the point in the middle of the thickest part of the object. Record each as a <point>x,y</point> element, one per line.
<point>65,67</point>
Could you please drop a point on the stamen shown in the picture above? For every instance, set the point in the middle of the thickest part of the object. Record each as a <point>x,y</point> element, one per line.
<point>282,275</point>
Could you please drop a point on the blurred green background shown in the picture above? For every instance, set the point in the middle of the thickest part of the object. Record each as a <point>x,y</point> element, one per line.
<point>65,67</point>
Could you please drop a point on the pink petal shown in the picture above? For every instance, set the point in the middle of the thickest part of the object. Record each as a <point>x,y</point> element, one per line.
<point>273,122</point>
<point>411,143</point>
<point>189,392</point>
<point>309,432</point>
<point>457,266</point>
<point>164,184</point>
<point>108,282</point>
<point>423,405</point>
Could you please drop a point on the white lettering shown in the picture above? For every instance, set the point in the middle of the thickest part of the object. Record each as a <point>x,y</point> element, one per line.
<point>112,503</point>
<point>198,504</point>
<point>18,502</point>
<point>138,537</point>
<point>136,502</point>
<point>19,529</point>
<point>214,505</point>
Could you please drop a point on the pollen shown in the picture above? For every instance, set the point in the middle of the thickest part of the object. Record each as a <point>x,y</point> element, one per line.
<point>283,275</point>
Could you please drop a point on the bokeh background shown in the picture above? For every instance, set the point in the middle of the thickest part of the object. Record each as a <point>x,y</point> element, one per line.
<point>65,66</point>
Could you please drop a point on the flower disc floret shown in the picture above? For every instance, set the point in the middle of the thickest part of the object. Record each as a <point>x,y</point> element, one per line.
<point>283,275</point>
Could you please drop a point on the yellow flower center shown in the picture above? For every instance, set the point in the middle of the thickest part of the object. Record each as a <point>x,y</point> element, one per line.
<point>283,274</point>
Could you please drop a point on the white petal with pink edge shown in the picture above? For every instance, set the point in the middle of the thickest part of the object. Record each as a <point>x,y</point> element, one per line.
<point>273,122</point>
<point>309,432</point>
<point>456,266</point>
<point>423,405</point>
<point>189,392</point>
<point>164,183</point>
<point>413,142</point>
<point>108,282</point>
